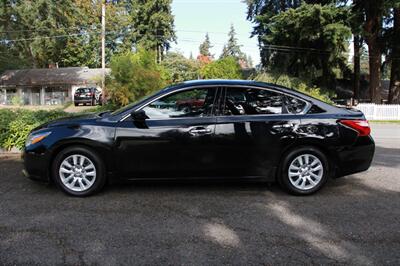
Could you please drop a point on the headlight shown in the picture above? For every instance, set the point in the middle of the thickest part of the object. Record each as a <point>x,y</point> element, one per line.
<point>35,138</point>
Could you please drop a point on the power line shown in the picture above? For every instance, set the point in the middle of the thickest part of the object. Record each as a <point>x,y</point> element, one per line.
<point>42,29</point>
<point>275,48</point>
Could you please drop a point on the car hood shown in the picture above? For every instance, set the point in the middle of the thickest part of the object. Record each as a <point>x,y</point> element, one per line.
<point>71,121</point>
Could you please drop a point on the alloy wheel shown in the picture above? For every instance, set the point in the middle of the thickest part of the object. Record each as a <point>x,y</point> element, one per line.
<point>305,171</point>
<point>77,172</point>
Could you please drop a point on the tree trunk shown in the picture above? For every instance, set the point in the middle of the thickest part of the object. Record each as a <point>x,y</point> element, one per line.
<point>357,65</point>
<point>394,89</point>
<point>373,27</point>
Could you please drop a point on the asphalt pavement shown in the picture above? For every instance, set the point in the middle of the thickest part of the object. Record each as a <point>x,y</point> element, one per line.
<point>353,220</point>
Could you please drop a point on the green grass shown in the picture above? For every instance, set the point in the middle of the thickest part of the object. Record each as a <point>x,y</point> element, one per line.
<point>385,121</point>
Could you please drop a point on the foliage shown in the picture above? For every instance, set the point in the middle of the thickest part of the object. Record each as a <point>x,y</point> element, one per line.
<point>297,84</point>
<point>16,100</point>
<point>134,75</point>
<point>371,22</point>
<point>321,36</point>
<point>205,47</point>
<point>15,125</point>
<point>225,68</point>
<point>152,24</point>
<point>180,68</point>
<point>232,48</point>
<point>68,32</point>
<point>261,11</point>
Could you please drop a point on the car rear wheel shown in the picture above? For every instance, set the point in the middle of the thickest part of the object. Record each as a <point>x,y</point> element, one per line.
<point>78,171</point>
<point>304,171</point>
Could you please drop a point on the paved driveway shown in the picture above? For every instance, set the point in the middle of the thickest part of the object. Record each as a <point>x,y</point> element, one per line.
<point>354,220</point>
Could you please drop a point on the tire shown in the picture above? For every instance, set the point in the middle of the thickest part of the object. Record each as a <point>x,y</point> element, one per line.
<point>304,178</point>
<point>76,104</point>
<point>82,178</point>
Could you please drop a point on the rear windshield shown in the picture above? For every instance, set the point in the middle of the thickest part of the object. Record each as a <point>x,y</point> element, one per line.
<point>84,90</point>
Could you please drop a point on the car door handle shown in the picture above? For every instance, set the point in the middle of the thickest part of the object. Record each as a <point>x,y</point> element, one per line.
<point>200,131</point>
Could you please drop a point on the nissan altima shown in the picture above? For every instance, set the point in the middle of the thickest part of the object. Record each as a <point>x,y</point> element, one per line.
<point>214,129</point>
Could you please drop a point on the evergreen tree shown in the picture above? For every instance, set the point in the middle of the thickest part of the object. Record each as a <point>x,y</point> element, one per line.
<point>205,47</point>
<point>153,25</point>
<point>232,48</point>
<point>308,42</point>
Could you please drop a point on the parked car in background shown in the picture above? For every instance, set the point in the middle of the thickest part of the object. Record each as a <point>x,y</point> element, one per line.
<point>91,96</point>
<point>227,130</point>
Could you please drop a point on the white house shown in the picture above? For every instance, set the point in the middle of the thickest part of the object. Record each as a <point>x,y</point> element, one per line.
<point>47,86</point>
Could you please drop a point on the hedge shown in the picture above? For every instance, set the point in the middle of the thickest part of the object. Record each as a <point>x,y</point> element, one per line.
<point>15,125</point>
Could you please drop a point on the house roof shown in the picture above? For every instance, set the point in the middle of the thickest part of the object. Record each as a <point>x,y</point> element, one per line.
<point>51,76</point>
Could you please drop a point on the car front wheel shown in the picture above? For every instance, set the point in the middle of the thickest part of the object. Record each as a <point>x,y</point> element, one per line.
<point>78,171</point>
<point>304,171</point>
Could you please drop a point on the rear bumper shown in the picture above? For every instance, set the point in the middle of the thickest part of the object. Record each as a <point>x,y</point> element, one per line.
<point>36,166</point>
<point>356,158</point>
<point>83,100</point>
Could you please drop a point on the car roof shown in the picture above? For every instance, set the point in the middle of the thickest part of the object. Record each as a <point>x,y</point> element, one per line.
<point>232,82</point>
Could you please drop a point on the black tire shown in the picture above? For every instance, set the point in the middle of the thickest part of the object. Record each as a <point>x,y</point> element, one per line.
<point>94,158</point>
<point>76,104</point>
<point>284,180</point>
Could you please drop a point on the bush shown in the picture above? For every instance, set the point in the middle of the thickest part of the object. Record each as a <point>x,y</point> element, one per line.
<point>15,125</point>
<point>226,68</point>
<point>133,76</point>
<point>180,68</point>
<point>16,100</point>
<point>296,84</point>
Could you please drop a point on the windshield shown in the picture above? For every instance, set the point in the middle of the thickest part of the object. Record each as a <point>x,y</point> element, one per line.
<point>131,105</point>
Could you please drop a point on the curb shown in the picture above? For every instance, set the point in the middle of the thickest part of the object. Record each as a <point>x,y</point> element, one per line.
<point>12,151</point>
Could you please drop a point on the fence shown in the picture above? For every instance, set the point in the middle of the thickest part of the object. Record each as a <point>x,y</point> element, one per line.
<point>374,111</point>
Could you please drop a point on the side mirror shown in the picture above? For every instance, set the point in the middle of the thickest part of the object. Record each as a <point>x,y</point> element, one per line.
<point>139,116</point>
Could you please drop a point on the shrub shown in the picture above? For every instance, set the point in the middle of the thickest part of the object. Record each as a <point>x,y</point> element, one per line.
<point>226,68</point>
<point>296,84</point>
<point>15,125</point>
<point>180,68</point>
<point>133,76</point>
<point>16,100</point>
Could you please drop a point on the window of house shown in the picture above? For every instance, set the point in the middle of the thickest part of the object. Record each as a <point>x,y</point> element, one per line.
<point>190,103</point>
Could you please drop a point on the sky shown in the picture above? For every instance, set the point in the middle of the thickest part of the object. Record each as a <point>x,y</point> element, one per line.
<point>194,18</point>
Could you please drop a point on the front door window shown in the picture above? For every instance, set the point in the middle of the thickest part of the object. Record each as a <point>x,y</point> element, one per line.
<point>188,103</point>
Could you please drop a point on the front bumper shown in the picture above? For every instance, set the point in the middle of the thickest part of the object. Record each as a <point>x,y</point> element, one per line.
<point>36,166</point>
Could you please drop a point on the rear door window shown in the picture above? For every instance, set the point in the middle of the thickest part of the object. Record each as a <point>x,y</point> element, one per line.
<point>253,101</point>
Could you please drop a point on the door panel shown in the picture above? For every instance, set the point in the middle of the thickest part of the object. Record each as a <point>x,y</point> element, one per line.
<point>251,132</point>
<point>176,141</point>
<point>173,148</point>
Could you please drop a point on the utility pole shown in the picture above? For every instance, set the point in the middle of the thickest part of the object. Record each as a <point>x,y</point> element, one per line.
<point>103,45</point>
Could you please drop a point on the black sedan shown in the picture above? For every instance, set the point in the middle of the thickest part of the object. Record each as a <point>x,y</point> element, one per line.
<point>215,129</point>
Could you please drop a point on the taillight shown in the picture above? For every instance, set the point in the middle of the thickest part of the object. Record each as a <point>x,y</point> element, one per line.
<point>361,126</point>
